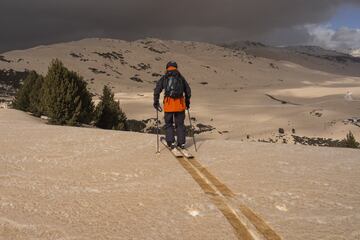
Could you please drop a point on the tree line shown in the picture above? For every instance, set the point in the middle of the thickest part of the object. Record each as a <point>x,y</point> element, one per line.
<point>63,97</point>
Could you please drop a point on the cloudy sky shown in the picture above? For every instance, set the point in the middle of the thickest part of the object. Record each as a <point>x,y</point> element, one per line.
<point>329,23</point>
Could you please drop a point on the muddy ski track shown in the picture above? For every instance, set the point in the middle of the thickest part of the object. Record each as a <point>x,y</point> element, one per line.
<point>246,224</point>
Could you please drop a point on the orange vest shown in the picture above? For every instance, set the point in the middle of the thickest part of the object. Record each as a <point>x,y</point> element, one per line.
<point>174,104</point>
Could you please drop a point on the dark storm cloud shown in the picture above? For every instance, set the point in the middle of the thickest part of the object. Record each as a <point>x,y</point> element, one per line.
<point>26,23</point>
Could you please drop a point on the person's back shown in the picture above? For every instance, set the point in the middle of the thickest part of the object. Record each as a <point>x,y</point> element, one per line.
<point>176,101</point>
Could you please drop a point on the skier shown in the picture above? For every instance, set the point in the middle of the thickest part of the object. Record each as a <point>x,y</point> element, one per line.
<point>176,101</point>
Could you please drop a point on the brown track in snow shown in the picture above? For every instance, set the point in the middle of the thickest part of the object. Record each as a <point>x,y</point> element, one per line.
<point>224,199</point>
<point>241,231</point>
<point>225,190</point>
<point>259,223</point>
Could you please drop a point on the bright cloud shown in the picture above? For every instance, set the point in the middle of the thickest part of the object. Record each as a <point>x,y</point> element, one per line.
<point>341,39</point>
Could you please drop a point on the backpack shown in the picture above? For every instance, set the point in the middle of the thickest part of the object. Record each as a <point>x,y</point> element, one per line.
<point>174,86</point>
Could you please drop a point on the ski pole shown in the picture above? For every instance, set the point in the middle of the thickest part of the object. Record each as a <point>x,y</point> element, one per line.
<point>157,131</point>
<point>193,132</point>
<point>157,128</point>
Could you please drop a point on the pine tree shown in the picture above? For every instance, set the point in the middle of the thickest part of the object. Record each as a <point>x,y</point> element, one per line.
<point>108,114</point>
<point>28,97</point>
<point>35,96</point>
<point>350,141</point>
<point>66,99</point>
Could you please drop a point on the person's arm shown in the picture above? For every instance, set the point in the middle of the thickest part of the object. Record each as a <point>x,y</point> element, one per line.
<point>157,91</point>
<point>187,91</point>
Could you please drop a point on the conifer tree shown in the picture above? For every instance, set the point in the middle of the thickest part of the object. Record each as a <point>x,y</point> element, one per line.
<point>350,141</point>
<point>66,99</point>
<point>108,114</point>
<point>28,97</point>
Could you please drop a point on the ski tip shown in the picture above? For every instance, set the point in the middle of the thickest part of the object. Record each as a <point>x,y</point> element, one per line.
<point>186,153</point>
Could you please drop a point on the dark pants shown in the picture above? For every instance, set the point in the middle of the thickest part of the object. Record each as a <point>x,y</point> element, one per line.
<point>178,118</point>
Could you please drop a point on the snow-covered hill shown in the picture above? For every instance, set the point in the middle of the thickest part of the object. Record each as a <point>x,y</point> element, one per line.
<point>236,92</point>
<point>61,182</point>
<point>312,57</point>
<point>75,183</point>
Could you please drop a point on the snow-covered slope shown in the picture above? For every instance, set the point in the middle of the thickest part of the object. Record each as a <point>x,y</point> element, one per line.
<point>241,96</point>
<point>75,183</point>
<point>312,57</point>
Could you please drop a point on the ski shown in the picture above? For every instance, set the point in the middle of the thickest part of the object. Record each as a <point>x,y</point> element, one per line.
<point>174,151</point>
<point>185,153</point>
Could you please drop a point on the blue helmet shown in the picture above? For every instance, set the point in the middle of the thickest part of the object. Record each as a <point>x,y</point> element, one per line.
<point>171,64</point>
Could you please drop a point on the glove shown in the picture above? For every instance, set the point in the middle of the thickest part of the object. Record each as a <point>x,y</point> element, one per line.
<point>187,103</point>
<point>157,106</point>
